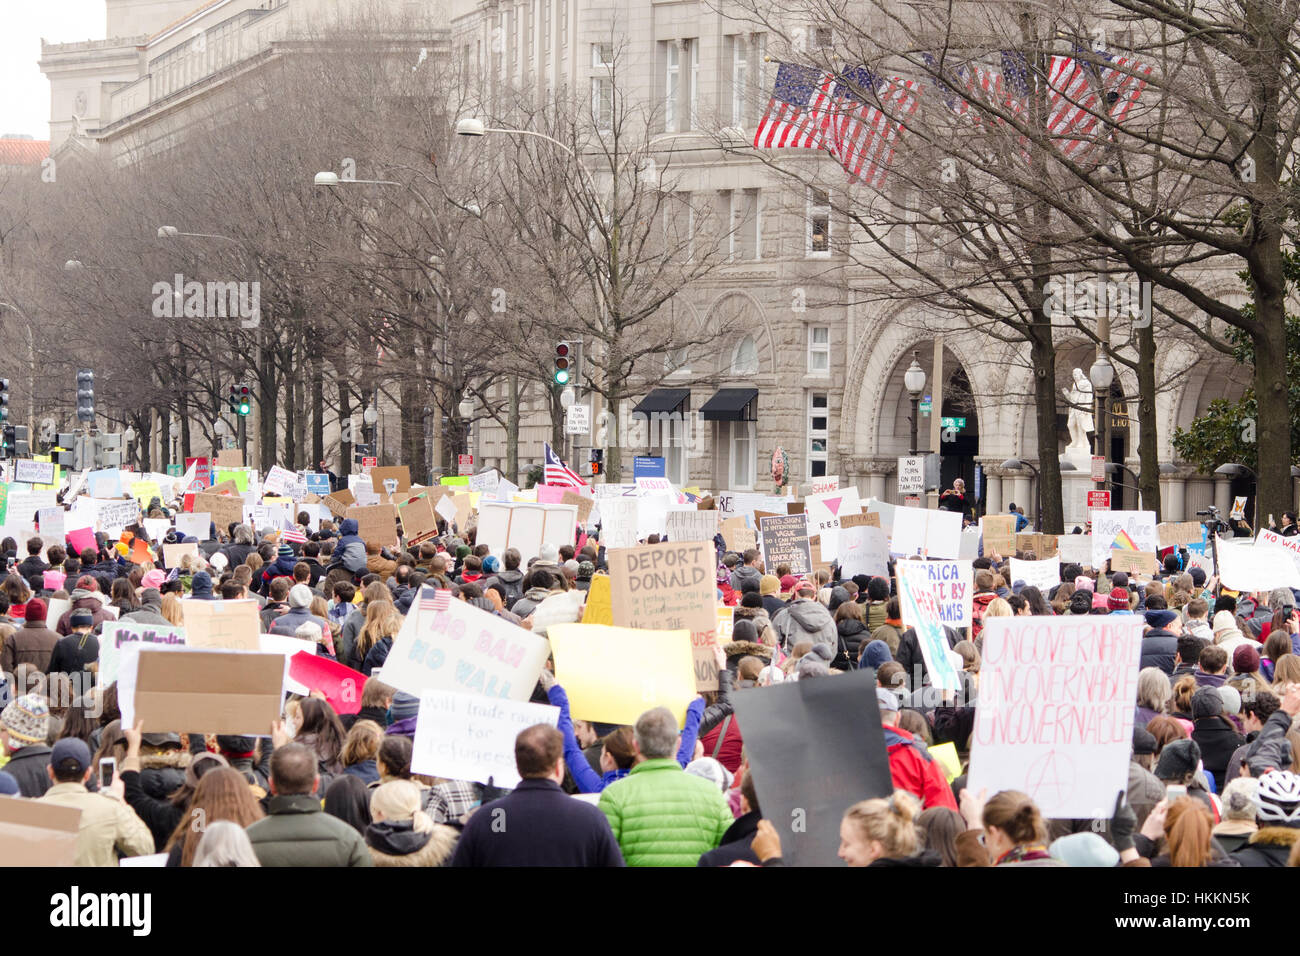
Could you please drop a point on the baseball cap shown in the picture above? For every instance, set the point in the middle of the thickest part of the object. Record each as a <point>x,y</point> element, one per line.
<point>70,755</point>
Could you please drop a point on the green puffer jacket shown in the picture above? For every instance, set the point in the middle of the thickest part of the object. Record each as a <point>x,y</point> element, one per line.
<point>663,816</point>
<point>297,833</point>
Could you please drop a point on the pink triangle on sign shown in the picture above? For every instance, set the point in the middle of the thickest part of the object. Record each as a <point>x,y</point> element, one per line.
<point>833,505</point>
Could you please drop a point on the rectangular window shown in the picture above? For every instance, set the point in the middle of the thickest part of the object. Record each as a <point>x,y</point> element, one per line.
<point>678,224</point>
<point>818,434</point>
<point>693,114</point>
<point>823,38</point>
<point>602,85</point>
<point>546,25</point>
<point>742,456</point>
<point>819,350</point>
<point>564,23</point>
<point>672,84</point>
<point>739,79</point>
<point>744,224</point>
<point>514,37</point>
<point>819,223</point>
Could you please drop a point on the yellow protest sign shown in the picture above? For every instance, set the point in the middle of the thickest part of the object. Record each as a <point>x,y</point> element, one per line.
<point>276,500</point>
<point>58,474</point>
<point>615,674</point>
<point>946,754</point>
<point>145,491</point>
<point>599,609</point>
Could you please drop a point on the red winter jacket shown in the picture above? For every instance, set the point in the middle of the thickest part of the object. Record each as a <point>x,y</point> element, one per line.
<point>914,770</point>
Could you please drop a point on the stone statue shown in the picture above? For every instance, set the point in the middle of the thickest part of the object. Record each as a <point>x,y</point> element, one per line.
<point>1080,422</point>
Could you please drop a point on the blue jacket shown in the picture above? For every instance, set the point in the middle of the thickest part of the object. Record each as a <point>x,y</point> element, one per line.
<point>587,780</point>
<point>350,552</point>
<point>1021,521</point>
<point>546,827</point>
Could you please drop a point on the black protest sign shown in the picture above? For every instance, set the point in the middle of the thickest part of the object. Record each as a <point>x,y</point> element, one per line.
<point>815,748</point>
<point>785,541</point>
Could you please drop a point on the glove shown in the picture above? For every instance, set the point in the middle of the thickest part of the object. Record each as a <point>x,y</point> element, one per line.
<point>1122,825</point>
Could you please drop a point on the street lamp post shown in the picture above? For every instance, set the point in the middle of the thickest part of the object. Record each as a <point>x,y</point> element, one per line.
<point>174,430</point>
<point>371,416</point>
<point>466,410</point>
<point>914,382</point>
<point>1101,375</point>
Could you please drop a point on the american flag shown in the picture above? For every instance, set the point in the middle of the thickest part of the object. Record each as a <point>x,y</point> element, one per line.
<point>797,112</point>
<point>432,599</point>
<point>861,134</point>
<point>557,472</point>
<point>295,534</point>
<point>1086,97</point>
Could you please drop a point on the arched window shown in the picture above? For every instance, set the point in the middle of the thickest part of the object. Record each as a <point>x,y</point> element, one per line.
<point>744,360</point>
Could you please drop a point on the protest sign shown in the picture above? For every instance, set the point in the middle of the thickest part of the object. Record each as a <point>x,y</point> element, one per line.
<point>401,473</point>
<point>467,737</point>
<point>376,524</point>
<point>485,481</point>
<point>230,458</point>
<point>691,524</point>
<point>806,767</point>
<point>819,563</point>
<point>33,472</point>
<point>869,519</point>
<point>341,685</point>
<point>287,647</point>
<point>419,523</point>
<point>825,512</point>
<point>652,513</point>
<point>117,633</point>
<point>145,491</point>
<point>105,483</point>
<point>1246,567</point>
<point>239,477</point>
<point>599,608</point>
<point>222,691</point>
<point>549,494</point>
<point>1134,562</point>
<point>1238,512</point>
<point>646,487</point>
<point>174,554</point>
<point>317,484</point>
<point>794,507</point>
<point>223,510</point>
<point>821,485</point>
<point>863,550</point>
<point>726,625</point>
<point>999,533</point>
<point>618,522</point>
<point>446,509</point>
<point>1271,539</point>
<point>229,486</point>
<point>1055,714</point>
<point>581,502</point>
<point>117,515</point>
<point>226,624</point>
<point>785,541</point>
<point>156,528</point>
<point>1122,531</point>
<point>935,534</point>
<point>932,594</point>
<point>738,536</point>
<point>447,644</point>
<point>1075,549</point>
<point>1180,532</point>
<point>668,587</point>
<point>38,833</point>
<point>280,481</point>
<point>615,674</point>
<point>1043,575</point>
<point>51,522</point>
<point>194,525</point>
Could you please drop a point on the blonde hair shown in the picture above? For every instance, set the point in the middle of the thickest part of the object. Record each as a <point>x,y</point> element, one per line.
<point>171,609</point>
<point>399,801</point>
<point>1286,670</point>
<point>998,607</point>
<point>382,620</point>
<point>362,742</point>
<point>891,822</point>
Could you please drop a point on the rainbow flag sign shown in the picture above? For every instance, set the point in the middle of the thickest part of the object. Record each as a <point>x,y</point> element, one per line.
<point>1122,531</point>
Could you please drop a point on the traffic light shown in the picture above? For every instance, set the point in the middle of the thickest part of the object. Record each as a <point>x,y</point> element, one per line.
<point>85,395</point>
<point>4,399</point>
<point>240,400</point>
<point>563,364</point>
<point>22,441</point>
<point>7,441</point>
<point>597,461</point>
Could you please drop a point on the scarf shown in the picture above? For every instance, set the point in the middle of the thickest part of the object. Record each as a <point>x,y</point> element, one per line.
<point>1016,854</point>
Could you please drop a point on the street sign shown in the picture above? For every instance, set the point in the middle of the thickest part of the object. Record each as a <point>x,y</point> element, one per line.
<point>577,420</point>
<point>952,423</point>
<point>924,408</point>
<point>370,462</point>
<point>1099,501</point>
<point>912,501</point>
<point>911,475</point>
<point>175,471</point>
<point>464,464</point>
<point>1098,467</point>
<point>647,466</point>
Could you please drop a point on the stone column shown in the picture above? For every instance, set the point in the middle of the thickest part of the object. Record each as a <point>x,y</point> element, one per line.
<point>1223,495</point>
<point>993,496</point>
<point>1173,496</point>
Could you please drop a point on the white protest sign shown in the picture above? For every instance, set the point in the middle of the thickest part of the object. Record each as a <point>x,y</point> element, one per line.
<point>1121,531</point>
<point>485,481</point>
<point>935,534</point>
<point>652,513</point>
<point>287,647</point>
<point>824,484</point>
<point>506,490</point>
<point>447,644</point>
<point>1043,575</point>
<point>115,516</point>
<point>51,521</point>
<point>194,525</point>
<point>34,472</point>
<point>691,524</point>
<point>911,475</point>
<point>280,481</point>
<point>125,632</point>
<point>863,550</point>
<point>1075,549</point>
<point>1055,714</point>
<point>1248,567</point>
<point>1266,539</point>
<point>930,595</point>
<point>467,737</point>
<point>446,509</point>
<point>824,512</point>
<point>654,486</point>
<point>156,528</point>
<point>618,522</point>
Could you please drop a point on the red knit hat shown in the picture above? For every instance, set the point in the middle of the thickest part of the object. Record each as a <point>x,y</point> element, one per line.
<point>1118,600</point>
<point>35,610</point>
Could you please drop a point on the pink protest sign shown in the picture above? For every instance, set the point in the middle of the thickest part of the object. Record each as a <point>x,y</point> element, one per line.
<point>340,684</point>
<point>550,495</point>
<point>81,539</point>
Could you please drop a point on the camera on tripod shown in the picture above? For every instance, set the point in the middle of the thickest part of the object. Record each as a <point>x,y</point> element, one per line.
<point>1213,522</point>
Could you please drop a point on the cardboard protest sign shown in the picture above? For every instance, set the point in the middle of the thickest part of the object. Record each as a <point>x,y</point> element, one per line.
<point>224,510</point>
<point>999,533</point>
<point>1179,532</point>
<point>805,766</point>
<point>864,550</point>
<point>1043,575</point>
<point>581,502</point>
<point>825,512</point>
<point>229,486</point>
<point>785,541</point>
<point>37,833</point>
<point>117,633</point>
<point>1055,714</point>
<point>230,458</point>
<point>1134,562</point>
<point>930,595</point>
<point>738,536</point>
<point>869,519</point>
<point>1245,567</point>
<point>376,524</point>
<point>224,692</point>
<point>467,737</point>
<point>399,472</point>
<point>341,685</point>
<point>447,644</point>
<point>1040,545</point>
<point>691,524</point>
<point>1122,531</point>
<point>225,624</point>
<point>1075,549</point>
<point>174,554</point>
<point>419,523</point>
<point>615,674</point>
<point>667,587</point>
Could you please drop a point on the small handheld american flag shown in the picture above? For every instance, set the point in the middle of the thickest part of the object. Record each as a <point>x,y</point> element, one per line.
<point>432,599</point>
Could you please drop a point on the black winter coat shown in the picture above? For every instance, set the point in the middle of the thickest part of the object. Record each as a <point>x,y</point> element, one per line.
<point>1269,846</point>
<point>1218,739</point>
<point>28,767</point>
<point>1158,650</point>
<point>854,634</point>
<point>547,828</point>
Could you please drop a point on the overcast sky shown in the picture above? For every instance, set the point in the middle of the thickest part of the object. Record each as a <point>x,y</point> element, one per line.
<point>25,106</point>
